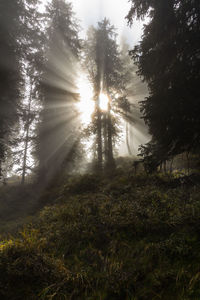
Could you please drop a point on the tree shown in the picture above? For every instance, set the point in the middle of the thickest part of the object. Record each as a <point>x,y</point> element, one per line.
<point>11,12</point>
<point>21,42</point>
<point>57,129</point>
<point>31,42</point>
<point>168,58</point>
<point>33,57</point>
<point>105,69</point>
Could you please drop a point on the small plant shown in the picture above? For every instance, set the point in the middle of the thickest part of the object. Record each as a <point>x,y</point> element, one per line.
<point>82,184</point>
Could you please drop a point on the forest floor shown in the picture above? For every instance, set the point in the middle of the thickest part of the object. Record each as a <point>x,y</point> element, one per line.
<point>116,237</point>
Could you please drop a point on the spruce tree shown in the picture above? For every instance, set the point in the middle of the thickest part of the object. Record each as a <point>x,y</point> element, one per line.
<point>57,129</point>
<point>168,58</point>
<point>108,77</point>
<point>11,83</point>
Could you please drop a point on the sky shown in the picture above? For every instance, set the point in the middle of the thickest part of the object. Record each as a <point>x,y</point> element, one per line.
<point>89,12</point>
<point>92,11</point>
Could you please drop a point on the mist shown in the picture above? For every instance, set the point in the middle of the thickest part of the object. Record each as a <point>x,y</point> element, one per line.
<point>99,149</point>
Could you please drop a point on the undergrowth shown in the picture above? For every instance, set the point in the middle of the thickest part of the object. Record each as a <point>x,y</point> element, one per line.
<point>125,237</point>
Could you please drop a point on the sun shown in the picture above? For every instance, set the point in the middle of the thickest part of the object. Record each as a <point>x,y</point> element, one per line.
<point>86,105</point>
<point>103,102</point>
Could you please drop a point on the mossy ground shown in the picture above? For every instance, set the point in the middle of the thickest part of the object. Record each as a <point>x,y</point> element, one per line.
<point>109,238</point>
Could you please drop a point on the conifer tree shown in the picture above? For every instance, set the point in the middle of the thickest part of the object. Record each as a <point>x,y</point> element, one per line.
<point>31,42</point>
<point>11,15</point>
<point>57,130</point>
<point>168,58</point>
<point>108,77</point>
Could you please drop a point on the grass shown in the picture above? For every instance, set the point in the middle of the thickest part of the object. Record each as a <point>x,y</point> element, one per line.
<point>125,237</point>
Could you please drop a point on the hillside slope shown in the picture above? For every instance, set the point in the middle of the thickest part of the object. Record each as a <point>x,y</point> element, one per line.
<point>125,237</point>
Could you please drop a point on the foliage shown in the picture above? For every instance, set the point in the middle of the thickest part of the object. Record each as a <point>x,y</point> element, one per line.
<point>58,129</point>
<point>21,39</point>
<point>134,237</point>
<point>109,74</point>
<point>82,184</point>
<point>28,270</point>
<point>10,67</point>
<point>17,206</point>
<point>168,60</point>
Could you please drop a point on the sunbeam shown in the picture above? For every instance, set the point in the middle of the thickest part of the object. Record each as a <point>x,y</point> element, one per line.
<point>86,104</point>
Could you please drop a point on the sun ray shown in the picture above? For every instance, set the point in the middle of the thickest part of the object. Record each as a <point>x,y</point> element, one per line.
<point>86,104</point>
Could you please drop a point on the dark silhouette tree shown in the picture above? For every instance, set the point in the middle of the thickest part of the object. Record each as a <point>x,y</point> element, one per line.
<point>168,58</point>
<point>11,14</point>
<point>57,130</point>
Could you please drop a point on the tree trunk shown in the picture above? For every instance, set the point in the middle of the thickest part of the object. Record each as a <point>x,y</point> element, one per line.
<point>105,137</point>
<point>127,140</point>
<point>171,165</point>
<point>24,167</point>
<point>165,166</point>
<point>188,162</point>
<point>111,162</point>
<point>99,137</point>
<point>25,155</point>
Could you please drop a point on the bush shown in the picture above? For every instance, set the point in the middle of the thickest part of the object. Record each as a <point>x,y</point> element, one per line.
<point>82,184</point>
<point>25,272</point>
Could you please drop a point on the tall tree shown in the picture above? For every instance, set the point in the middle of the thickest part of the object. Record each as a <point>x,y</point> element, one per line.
<point>11,13</point>
<point>31,42</point>
<point>168,58</point>
<point>33,57</point>
<point>102,60</point>
<point>57,131</point>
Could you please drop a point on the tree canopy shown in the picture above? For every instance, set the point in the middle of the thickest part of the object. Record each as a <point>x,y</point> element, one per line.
<point>168,58</point>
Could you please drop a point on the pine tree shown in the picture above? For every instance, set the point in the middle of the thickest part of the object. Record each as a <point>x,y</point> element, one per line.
<point>33,43</point>
<point>108,77</point>
<point>11,14</point>
<point>168,58</point>
<point>57,130</point>
<point>31,57</point>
